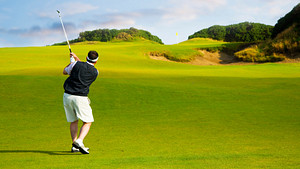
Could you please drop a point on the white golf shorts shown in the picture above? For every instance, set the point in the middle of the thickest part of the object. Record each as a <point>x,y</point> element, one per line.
<point>77,107</point>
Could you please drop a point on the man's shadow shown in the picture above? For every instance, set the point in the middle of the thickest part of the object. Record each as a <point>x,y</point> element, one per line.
<point>40,152</point>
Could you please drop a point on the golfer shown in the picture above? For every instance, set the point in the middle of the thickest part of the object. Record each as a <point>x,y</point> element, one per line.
<point>76,102</point>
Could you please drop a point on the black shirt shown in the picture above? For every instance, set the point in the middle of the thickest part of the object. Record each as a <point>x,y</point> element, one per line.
<point>82,76</point>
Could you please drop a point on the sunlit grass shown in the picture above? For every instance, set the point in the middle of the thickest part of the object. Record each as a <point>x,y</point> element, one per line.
<point>149,113</point>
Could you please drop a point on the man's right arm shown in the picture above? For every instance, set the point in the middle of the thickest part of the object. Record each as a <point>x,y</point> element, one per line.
<point>65,72</point>
<point>68,69</point>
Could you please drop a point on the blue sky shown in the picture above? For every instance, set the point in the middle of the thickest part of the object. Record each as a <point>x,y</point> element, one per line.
<point>36,23</point>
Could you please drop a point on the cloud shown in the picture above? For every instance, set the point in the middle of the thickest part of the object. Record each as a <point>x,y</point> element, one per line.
<point>4,43</point>
<point>276,7</point>
<point>171,12</point>
<point>38,31</point>
<point>55,28</point>
<point>118,22</point>
<point>118,19</point>
<point>43,35</point>
<point>69,8</point>
<point>267,12</point>
<point>186,10</point>
<point>73,8</point>
<point>53,33</point>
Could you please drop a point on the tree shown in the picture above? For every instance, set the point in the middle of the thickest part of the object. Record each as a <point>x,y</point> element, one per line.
<point>217,32</point>
<point>293,17</point>
<point>105,35</point>
<point>242,32</point>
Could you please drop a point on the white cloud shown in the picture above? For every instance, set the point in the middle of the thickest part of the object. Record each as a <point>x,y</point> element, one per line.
<point>267,11</point>
<point>42,35</point>
<point>185,10</point>
<point>112,20</point>
<point>118,22</point>
<point>4,43</point>
<point>276,7</point>
<point>69,8</point>
<point>39,31</point>
<point>73,8</point>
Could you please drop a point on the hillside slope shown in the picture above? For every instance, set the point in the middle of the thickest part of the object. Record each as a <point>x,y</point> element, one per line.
<point>284,45</point>
<point>107,35</point>
<point>290,19</point>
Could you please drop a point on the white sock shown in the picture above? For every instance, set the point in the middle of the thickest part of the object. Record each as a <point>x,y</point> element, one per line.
<point>79,141</point>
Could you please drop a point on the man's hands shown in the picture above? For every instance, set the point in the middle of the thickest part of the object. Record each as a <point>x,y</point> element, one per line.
<point>74,56</point>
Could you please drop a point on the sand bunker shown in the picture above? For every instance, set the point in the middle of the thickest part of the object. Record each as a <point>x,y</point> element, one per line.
<point>220,58</point>
<point>217,58</point>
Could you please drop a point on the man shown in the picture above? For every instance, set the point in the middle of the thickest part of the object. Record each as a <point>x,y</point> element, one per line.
<point>76,102</point>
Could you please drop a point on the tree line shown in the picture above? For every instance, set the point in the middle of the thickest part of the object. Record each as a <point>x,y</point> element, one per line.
<point>242,32</point>
<point>105,35</point>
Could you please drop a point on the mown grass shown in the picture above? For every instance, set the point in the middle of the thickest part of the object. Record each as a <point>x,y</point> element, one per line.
<point>148,113</point>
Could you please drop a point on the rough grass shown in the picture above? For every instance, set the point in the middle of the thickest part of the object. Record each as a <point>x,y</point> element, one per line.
<point>285,45</point>
<point>255,54</point>
<point>185,51</point>
<point>149,114</point>
<point>177,54</point>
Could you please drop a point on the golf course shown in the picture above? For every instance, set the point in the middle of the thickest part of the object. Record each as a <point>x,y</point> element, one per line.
<point>150,113</point>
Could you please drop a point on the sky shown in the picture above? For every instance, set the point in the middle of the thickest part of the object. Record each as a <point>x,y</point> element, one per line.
<point>36,23</point>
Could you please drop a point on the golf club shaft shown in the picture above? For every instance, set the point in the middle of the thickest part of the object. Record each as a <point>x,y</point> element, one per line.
<point>62,24</point>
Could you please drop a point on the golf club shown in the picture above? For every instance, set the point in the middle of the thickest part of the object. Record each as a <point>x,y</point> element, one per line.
<point>62,24</point>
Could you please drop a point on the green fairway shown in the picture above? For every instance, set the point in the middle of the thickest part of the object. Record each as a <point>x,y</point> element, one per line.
<point>149,113</point>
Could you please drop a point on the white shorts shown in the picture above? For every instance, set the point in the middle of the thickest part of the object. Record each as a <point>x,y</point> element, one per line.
<point>78,107</point>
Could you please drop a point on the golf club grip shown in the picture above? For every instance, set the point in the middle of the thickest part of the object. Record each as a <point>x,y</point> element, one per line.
<point>70,50</point>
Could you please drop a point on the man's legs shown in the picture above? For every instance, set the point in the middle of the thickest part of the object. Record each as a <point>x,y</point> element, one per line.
<point>74,130</point>
<point>83,112</point>
<point>84,130</point>
<point>78,143</point>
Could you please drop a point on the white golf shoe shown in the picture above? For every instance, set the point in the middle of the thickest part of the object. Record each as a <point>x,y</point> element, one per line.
<point>79,145</point>
<point>75,150</point>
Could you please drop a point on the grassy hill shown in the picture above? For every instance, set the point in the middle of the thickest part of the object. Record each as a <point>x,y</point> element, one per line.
<point>290,19</point>
<point>149,113</point>
<point>285,43</point>
<point>271,43</point>
<point>108,35</point>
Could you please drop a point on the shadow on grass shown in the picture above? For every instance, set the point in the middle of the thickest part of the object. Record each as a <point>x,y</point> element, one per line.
<point>40,152</point>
